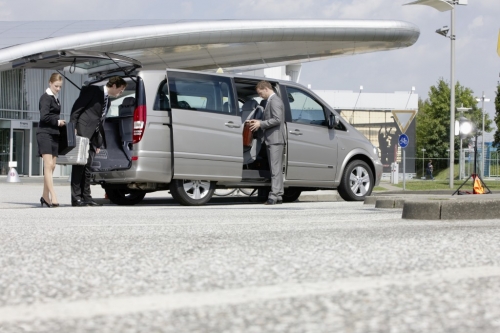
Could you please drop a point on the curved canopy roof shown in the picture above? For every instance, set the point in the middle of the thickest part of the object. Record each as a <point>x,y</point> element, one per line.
<point>205,45</point>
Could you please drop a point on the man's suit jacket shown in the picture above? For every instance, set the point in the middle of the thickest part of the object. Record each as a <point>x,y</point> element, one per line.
<point>87,115</point>
<point>273,123</point>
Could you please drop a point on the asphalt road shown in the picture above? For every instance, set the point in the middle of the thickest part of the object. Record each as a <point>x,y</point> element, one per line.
<point>299,267</point>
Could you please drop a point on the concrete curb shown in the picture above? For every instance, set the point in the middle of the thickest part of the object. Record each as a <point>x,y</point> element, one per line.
<point>389,203</point>
<point>461,209</point>
<point>319,196</point>
<point>440,207</point>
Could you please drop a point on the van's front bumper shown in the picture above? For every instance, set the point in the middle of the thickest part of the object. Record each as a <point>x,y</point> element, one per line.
<point>378,171</point>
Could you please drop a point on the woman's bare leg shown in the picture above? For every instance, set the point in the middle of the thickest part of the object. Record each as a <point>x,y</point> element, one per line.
<point>48,183</point>
<point>53,195</point>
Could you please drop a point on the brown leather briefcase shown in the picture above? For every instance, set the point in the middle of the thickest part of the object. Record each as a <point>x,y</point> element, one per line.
<point>247,135</point>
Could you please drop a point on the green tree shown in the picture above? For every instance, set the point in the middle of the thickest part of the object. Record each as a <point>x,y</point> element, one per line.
<point>433,119</point>
<point>496,138</point>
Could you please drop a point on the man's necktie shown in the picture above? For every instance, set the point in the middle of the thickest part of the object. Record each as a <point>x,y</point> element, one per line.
<point>105,108</point>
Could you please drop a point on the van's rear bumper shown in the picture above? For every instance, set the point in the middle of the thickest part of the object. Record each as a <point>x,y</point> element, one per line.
<point>144,170</point>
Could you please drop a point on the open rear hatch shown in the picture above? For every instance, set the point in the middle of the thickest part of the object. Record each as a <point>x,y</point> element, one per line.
<point>118,125</point>
<point>92,63</point>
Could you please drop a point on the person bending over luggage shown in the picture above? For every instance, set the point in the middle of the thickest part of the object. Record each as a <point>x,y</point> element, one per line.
<point>88,114</point>
<point>47,137</point>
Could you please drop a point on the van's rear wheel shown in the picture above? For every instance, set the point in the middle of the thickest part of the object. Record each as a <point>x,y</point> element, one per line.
<point>357,181</point>
<point>125,197</point>
<point>291,194</point>
<point>192,192</point>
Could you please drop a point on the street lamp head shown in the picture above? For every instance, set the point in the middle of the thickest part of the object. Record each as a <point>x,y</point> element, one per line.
<point>443,31</point>
<point>465,127</point>
<point>441,5</point>
<point>462,109</point>
<point>483,98</point>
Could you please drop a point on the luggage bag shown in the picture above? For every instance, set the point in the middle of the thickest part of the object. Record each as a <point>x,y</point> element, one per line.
<point>77,155</point>
<point>67,138</point>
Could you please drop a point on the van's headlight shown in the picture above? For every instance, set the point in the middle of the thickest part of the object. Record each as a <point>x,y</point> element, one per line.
<point>375,151</point>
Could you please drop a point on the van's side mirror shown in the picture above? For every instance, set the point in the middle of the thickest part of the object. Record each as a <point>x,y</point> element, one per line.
<point>332,121</point>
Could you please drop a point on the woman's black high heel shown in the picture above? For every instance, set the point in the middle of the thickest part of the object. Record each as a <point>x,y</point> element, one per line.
<point>42,201</point>
<point>55,205</point>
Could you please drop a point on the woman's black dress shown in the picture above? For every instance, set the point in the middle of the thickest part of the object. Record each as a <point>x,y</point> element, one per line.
<point>48,130</point>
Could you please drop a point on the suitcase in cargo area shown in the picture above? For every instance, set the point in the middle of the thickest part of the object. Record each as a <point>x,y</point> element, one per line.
<point>77,155</point>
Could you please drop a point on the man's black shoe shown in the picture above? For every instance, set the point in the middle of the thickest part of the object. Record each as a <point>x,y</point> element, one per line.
<point>93,203</point>
<point>279,202</point>
<point>79,203</point>
<point>270,202</point>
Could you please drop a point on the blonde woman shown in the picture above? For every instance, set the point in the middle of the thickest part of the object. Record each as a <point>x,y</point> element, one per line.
<point>48,137</point>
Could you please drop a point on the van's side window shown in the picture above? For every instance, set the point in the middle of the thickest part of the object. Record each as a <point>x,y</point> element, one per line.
<point>203,92</point>
<point>305,109</point>
<point>162,102</point>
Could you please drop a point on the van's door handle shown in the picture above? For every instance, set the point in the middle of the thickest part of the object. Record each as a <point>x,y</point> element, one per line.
<point>296,132</point>
<point>230,124</point>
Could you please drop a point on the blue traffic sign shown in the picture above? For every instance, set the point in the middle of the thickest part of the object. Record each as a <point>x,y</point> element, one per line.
<point>403,140</point>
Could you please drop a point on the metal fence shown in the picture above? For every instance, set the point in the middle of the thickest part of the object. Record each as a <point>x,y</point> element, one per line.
<point>20,114</point>
<point>491,164</point>
<point>25,115</point>
<point>494,164</point>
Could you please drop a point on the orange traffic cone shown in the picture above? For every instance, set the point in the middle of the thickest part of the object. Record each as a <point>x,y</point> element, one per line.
<point>478,187</point>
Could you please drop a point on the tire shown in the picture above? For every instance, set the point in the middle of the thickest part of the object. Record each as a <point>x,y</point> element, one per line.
<point>357,181</point>
<point>192,192</point>
<point>291,194</point>
<point>125,197</point>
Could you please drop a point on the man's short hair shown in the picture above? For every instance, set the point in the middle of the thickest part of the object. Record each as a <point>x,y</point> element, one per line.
<point>263,85</point>
<point>116,80</point>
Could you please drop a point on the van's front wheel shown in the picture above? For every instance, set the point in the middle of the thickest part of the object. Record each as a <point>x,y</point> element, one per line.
<point>125,197</point>
<point>192,192</point>
<point>357,181</point>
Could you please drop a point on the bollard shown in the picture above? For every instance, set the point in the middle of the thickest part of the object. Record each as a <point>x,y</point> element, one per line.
<point>12,176</point>
<point>394,173</point>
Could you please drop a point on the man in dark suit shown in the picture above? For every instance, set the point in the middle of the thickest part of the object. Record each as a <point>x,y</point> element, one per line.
<point>88,114</point>
<point>273,126</point>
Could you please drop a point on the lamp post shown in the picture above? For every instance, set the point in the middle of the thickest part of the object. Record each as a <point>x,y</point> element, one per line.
<point>423,161</point>
<point>443,6</point>
<point>461,166</point>
<point>482,99</point>
<point>448,150</point>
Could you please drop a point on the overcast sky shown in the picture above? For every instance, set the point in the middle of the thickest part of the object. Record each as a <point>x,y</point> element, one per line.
<point>477,28</point>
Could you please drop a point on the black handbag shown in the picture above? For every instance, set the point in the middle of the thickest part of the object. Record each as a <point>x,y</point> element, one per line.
<point>67,138</point>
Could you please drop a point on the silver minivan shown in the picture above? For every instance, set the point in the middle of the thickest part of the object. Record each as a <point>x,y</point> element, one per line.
<point>182,131</point>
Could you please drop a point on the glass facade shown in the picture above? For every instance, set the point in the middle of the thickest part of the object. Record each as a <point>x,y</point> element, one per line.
<point>20,91</point>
